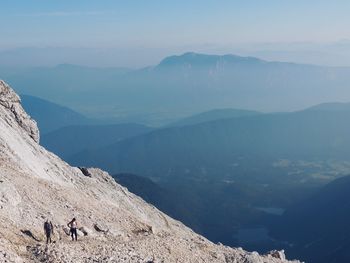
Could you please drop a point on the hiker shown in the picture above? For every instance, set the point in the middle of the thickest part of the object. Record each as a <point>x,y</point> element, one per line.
<point>48,228</point>
<point>73,228</point>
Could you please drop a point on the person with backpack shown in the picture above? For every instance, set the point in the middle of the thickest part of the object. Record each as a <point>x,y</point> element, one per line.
<point>73,228</point>
<point>48,229</point>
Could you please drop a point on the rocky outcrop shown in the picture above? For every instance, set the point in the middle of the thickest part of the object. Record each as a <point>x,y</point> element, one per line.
<point>11,101</point>
<point>115,225</point>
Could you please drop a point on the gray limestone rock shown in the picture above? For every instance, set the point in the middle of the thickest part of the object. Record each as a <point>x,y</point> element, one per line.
<point>12,102</point>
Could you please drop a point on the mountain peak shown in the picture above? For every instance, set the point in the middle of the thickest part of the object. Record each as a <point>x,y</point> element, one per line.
<point>199,59</point>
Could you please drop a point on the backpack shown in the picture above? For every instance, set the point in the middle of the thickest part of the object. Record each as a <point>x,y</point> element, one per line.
<point>47,227</point>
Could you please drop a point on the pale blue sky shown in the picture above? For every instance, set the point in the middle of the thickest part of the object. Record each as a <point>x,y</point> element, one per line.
<point>170,25</point>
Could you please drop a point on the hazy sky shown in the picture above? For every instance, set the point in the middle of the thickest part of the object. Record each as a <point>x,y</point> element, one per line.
<point>172,26</point>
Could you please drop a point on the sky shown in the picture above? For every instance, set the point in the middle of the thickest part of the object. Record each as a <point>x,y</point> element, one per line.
<point>136,31</point>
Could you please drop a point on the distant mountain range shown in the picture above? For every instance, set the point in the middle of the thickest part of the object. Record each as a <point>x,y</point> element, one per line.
<point>51,116</point>
<point>213,115</point>
<point>193,60</point>
<point>66,132</point>
<point>73,139</point>
<point>227,147</point>
<point>183,85</point>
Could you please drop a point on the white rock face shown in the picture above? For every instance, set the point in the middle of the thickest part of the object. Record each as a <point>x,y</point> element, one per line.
<point>11,101</point>
<point>36,185</point>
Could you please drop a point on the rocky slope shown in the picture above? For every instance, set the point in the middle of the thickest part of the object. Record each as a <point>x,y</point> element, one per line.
<point>116,226</point>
